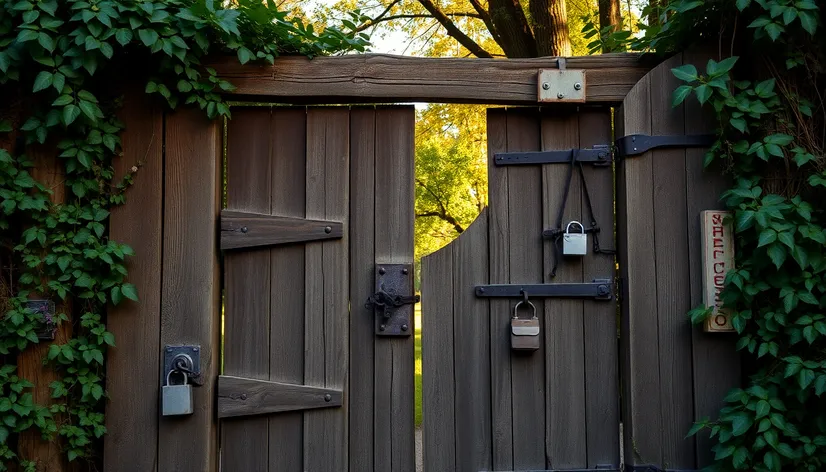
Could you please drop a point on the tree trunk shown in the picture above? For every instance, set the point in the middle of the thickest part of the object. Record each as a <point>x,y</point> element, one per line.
<point>550,27</point>
<point>515,37</point>
<point>609,14</point>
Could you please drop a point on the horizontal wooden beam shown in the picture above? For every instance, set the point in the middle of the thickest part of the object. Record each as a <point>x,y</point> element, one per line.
<point>244,230</point>
<point>377,78</point>
<point>238,396</point>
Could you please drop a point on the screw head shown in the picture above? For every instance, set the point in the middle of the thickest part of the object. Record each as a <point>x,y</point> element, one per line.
<point>169,349</point>
<point>244,229</point>
<point>560,95</point>
<point>382,328</point>
<point>546,86</point>
<point>481,289</point>
<point>577,86</point>
<point>404,327</point>
<point>382,271</point>
<point>328,229</point>
<point>243,396</point>
<point>328,397</point>
<point>405,271</point>
<point>603,290</point>
<point>195,349</point>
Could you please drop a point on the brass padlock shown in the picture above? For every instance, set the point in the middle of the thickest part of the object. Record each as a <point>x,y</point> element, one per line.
<point>574,244</point>
<point>524,333</point>
<point>176,399</point>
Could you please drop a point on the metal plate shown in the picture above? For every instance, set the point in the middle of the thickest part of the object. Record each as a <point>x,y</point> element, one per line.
<point>170,353</point>
<point>562,86</point>
<point>396,279</point>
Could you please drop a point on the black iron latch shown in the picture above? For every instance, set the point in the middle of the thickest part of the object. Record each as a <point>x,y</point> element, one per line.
<point>599,155</point>
<point>599,289</point>
<point>637,144</point>
<point>393,303</point>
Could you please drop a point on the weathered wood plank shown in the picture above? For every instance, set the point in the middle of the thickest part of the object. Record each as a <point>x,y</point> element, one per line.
<point>382,78</point>
<point>238,396</point>
<point>641,421</point>
<point>190,297</point>
<point>600,318</point>
<point>326,281</point>
<point>286,439</point>
<point>471,348</point>
<point>525,250</point>
<point>394,358</point>
<point>131,442</point>
<point>715,359</point>
<point>362,266</point>
<point>245,230</point>
<point>498,255</point>
<point>246,277</point>
<point>438,374</point>
<point>565,435</point>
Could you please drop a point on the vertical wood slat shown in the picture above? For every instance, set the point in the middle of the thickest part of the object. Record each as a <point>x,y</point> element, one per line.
<point>394,357</point>
<point>133,387</point>
<point>286,355</point>
<point>525,252</point>
<point>438,408</point>
<point>499,242</point>
<point>565,435</point>
<point>247,276</point>
<point>326,283</point>
<point>190,299</point>
<point>362,266</point>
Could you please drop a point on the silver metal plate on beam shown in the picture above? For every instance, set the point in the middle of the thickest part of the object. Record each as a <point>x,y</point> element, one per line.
<point>561,85</point>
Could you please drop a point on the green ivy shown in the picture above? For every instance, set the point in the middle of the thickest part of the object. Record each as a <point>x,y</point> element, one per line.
<point>57,61</point>
<point>767,95</point>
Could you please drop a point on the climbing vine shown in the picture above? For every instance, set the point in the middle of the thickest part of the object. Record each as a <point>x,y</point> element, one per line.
<point>766,89</point>
<point>58,61</point>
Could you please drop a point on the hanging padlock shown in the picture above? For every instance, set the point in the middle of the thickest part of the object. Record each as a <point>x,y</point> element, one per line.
<point>574,244</point>
<point>525,333</point>
<point>176,399</point>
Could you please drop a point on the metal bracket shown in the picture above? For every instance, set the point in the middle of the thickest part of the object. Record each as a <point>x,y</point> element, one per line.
<point>561,85</point>
<point>393,303</point>
<point>599,289</point>
<point>636,144</point>
<point>186,359</point>
<point>598,468</point>
<point>599,155</point>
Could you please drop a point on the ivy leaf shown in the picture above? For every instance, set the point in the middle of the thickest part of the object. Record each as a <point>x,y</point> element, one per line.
<point>774,30</point>
<point>777,255</point>
<point>129,291</point>
<point>687,73</point>
<point>739,124</point>
<point>42,81</point>
<point>741,423</point>
<point>244,55</point>
<point>763,409</point>
<point>124,36</point>
<point>807,297</point>
<point>703,93</point>
<point>46,41</point>
<point>808,21</point>
<point>789,15</point>
<point>742,4</point>
<point>148,36</point>
<point>89,109</point>
<point>49,6</point>
<point>767,236</point>
<point>58,82</point>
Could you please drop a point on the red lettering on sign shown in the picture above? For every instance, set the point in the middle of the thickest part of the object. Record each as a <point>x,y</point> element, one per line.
<point>718,242</point>
<point>719,267</point>
<point>718,251</point>
<point>717,231</point>
<point>717,219</point>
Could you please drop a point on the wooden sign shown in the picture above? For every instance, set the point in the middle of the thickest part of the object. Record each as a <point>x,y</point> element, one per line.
<point>718,259</point>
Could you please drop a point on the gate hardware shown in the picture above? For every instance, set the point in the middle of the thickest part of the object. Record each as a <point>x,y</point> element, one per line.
<point>176,399</point>
<point>575,244</point>
<point>636,144</point>
<point>391,304</point>
<point>561,84</point>
<point>599,155</point>
<point>183,359</point>
<point>598,468</point>
<point>653,468</point>
<point>599,289</point>
<point>525,333</point>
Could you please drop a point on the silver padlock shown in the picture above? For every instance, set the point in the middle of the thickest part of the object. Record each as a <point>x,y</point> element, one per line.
<point>176,399</point>
<point>574,244</point>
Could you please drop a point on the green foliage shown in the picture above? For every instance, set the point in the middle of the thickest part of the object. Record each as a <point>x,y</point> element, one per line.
<point>605,40</point>
<point>771,142</point>
<point>57,58</point>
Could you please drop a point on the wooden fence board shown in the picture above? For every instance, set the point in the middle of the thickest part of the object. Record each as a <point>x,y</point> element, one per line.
<point>246,277</point>
<point>190,300</point>
<point>133,387</point>
<point>286,363</point>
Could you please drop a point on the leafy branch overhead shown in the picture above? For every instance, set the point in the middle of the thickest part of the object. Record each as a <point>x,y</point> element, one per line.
<point>58,63</point>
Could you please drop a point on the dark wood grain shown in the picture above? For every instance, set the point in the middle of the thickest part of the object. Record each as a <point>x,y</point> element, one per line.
<point>190,300</point>
<point>565,435</point>
<point>525,250</point>
<point>641,373</point>
<point>394,448</point>
<point>362,266</point>
<point>438,374</point>
<point>382,78</point>
<point>326,284</point>
<point>288,163</point>
<point>471,348</point>
<point>602,394</point>
<point>238,396</point>
<point>498,255</point>
<point>246,278</point>
<point>131,442</point>
<point>267,230</point>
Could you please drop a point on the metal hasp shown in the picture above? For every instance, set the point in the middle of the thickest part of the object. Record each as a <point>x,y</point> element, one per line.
<point>599,289</point>
<point>393,301</point>
<point>636,144</point>
<point>561,85</point>
<point>599,155</point>
<point>184,359</point>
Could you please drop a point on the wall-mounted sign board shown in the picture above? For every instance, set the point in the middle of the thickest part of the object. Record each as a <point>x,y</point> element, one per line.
<point>718,259</point>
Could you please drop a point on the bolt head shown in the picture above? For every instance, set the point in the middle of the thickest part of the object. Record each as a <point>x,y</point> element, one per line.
<point>328,229</point>
<point>328,397</point>
<point>560,95</point>
<point>482,290</point>
<point>382,271</point>
<point>244,229</point>
<point>405,271</point>
<point>546,86</point>
<point>404,327</point>
<point>577,86</point>
<point>195,349</point>
<point>243,396</point>
<point>382,328</point>
<point>169,349</point>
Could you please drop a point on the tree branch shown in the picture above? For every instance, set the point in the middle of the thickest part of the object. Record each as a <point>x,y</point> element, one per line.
<point>453,31</point>
<point>485,16</point>
<point>377,20</point>
<point>447,218</point>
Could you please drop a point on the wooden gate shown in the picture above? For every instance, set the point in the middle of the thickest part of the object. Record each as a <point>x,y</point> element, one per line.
<point>315,199</point>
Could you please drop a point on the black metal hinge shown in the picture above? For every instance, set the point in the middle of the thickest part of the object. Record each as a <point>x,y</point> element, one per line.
<point>599,155</point>
<point>599,289</point>
<point>636,144</point>
<point>599,468</point>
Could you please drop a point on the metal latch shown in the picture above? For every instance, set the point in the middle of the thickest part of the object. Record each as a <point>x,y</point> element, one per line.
<point>636,144</point>
<point>599,289</point>
<point>598,155</point>
<point>561,85</point>
<point>185,360</point>
<point>393,303</point>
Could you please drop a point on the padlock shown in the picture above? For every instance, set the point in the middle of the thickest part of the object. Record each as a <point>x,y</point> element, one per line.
<point>574,244</point>
<point>524,333</point>
<point>176,399</point>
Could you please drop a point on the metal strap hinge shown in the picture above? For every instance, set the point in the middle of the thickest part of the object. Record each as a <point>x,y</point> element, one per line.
<point>598,155</point>
<point>598,468</point>
<point>636,144</point>
<point>599,289</point>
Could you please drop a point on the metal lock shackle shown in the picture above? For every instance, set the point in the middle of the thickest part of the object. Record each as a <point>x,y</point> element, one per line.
<point>186,377</point>
<point>524,300</point>
<point>568,228</point>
